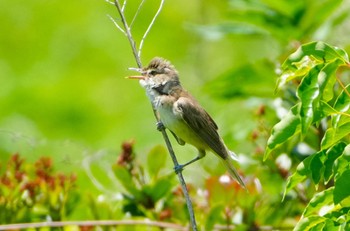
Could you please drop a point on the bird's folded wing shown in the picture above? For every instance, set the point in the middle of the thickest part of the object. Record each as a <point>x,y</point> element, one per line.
<point>202,124</point>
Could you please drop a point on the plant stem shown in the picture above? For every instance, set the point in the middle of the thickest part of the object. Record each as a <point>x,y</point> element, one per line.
<point>137,54</point>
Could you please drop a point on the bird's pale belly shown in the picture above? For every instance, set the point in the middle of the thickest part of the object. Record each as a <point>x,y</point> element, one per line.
<point>176,124</point>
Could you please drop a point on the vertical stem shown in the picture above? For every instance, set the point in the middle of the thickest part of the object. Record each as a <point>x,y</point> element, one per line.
<point>128,34</point>
<point>163,131</point>
<point>182,181</point>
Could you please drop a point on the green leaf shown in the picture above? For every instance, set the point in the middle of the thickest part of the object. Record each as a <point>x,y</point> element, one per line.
<point>300,69</point>
<point>284,130</point>
<point>126,180</point>
<point>214,216</point>
<point>156,160</point>
<point>302,171</point>
<point>334,135</point>
<point>341,187</point>
<point>318,50</point>
<point>317,167</point>
<point>318,201</point>
<point>327,78</point>
<point>342,104</point>
<point>343,162</point>
<point>308,223</point>
<point>308,92</point>
<point>160,189</point>
<point>332,155</point>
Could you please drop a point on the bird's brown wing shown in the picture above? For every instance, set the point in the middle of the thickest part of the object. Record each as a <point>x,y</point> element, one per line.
<point>202,124</point>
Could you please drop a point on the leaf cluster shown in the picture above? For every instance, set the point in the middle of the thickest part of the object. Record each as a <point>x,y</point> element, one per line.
<point>33,192</point>
<point>321,109</point>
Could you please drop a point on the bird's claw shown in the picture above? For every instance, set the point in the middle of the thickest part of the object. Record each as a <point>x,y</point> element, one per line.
<point>178,168</point>
<point>160,126</point>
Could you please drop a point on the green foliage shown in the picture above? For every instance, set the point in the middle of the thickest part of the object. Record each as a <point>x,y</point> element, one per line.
<point>72,89</point>
<point>33,192</point>
<point>323,106</point>
<point>274,26</point>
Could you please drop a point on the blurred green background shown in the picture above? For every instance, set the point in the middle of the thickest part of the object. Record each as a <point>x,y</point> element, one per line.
<point>62,66</point>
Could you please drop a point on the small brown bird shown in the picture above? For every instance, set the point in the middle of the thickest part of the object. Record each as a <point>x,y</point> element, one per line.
<point>182,114</point>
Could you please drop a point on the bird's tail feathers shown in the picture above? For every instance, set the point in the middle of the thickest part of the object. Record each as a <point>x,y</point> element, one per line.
<point>233,172</point>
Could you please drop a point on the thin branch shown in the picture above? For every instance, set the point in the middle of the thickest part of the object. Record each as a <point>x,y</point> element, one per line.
<point>128,34</point>
<point>124,4</point>
<point>342,85</point>
<point>110,2</point>
<point>150,26</point>
<point>116,24</point>
<point>93,223</point>
<point>137,13</point>
<point>159,224</point>
<point>137,56</point>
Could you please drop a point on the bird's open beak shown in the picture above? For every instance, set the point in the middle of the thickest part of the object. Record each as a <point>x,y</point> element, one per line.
<point>136,76</point>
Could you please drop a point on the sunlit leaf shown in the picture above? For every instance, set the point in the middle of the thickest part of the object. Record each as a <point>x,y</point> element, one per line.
<point>284,130</point>
<point>302,171</point>
<point>318,50</point>
<point>334,135</point>
<point>342,104</point>
<point>332,155</point>
<point>308,223</point>
<point>318,201</point>
<point>326,79</point>
<point>342,186</point>
<point>308,93</point>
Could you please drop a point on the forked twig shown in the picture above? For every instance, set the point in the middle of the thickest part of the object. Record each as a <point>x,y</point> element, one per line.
<point>128,33</point>
<point>137,55</point>
<point>150,26</point>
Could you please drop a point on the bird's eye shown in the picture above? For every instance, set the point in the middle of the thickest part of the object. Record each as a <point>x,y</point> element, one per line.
<point>153,72</point>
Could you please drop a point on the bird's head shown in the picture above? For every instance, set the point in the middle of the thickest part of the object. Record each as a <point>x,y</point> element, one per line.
<point>160,75</point>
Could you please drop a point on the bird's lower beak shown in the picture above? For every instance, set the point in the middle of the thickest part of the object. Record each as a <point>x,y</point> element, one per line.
<point>136,77</point>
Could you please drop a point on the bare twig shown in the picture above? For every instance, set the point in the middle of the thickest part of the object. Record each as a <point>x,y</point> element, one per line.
<point>164,225</point>
<point>137,13</point>
<point>150,26</point>
<point>128,33</point>
<point>93,223</point>
<point>124,4</point>
<point>116,24</point>
<point>342,86</point>
<point>137,55</point>
<point>110,2</point>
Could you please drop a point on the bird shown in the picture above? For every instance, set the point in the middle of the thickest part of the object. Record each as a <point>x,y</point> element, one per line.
<point>181,113</point>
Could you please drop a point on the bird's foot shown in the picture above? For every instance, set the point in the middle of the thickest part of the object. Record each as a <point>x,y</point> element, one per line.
<point>178,168</point>
<point>160,126</point>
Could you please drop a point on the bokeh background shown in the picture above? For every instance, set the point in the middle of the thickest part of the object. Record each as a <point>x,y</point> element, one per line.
<point>62,66</point>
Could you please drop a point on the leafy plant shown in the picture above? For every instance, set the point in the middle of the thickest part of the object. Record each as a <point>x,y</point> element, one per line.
<point>316,71</point>
<point>146,193</point>
<point>33,192</point>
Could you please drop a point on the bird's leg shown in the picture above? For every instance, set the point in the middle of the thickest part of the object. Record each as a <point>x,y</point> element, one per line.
<point>180,167</point>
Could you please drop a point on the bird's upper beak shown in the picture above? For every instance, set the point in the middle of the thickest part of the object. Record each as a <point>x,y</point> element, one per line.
<point>136,76</point>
